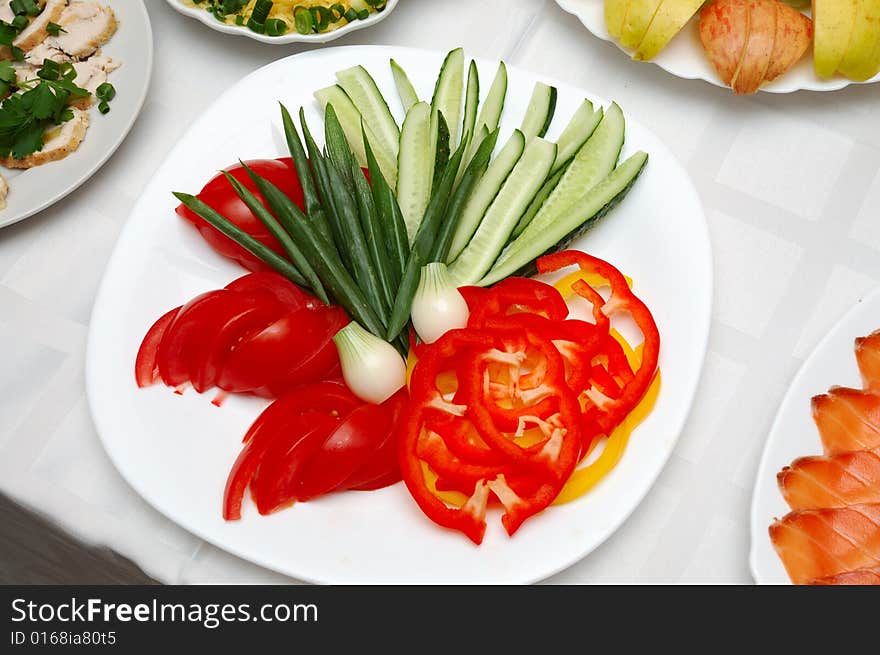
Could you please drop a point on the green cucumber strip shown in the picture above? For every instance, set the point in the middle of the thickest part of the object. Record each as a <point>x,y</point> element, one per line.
<point>493,105</point>
<point>448,93</point>
<point>350,119</point>
<point>539,239</point>
<point>593,162</point>
<point>415,167</point>
<point>540,111</point>
<point>471,102</point>
<point>581,126</point>
<point>361,88</point>
<point>538,201</point>
<point>512,200</point>
<point>405,90</point>
<point>485,192</point>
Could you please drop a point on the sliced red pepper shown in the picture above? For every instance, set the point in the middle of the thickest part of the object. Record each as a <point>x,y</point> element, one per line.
<point>519,294</point>
<point>622,300</point>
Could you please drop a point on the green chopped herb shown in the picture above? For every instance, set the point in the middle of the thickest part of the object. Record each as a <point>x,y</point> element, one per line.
<point>302,18</point>
<point>276,27</point>
<point>105,91</point>
<point>55,29</point>
<point>104,107</point>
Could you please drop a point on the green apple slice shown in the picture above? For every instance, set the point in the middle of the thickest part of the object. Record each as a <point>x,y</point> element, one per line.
<point>671,17</point>
<point>639,15</point>
<point>859,61</point>
<point>834,21</point>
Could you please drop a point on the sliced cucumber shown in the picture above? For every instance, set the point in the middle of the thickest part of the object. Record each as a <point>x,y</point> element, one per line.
<point>448,93</point>
<point>596,159</point>
<point>440,148</point>
<point>405,89</point>
<point>540,111</point>
<point>538,201</point>
<point>360,87</point>
<point>351,120</point>
<point>416,166</point>
<point>471,103</point>
<point>493,105</point>
<point>518,190</point>
<point>485,192</point>
<point>580,128</point>
<point>557,232</point>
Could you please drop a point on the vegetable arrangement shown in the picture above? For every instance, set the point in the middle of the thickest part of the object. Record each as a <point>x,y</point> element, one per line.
<point>832,534</point>
<point>750,42</point>
<point>410,241</point>
<point>278,17</point>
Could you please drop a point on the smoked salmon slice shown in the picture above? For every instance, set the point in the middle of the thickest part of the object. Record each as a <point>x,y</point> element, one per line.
<point>848,419</point>
<point>868,358</point>
<point>859,577</point>
<point>838,481</point>
<point>818,543</point>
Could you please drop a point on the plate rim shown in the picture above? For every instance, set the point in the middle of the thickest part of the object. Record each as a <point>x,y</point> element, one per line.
<point>872,296</point>
<point>706,263</point>
<point>292,37</point>
<point>114,146</point>
<point>836,84</point>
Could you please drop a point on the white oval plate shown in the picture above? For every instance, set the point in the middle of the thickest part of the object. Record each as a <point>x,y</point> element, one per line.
<point>684,56</point>
<point>201,15</point>
<point>177,450</point>
<point>35,189</point>
<point>794,434</point>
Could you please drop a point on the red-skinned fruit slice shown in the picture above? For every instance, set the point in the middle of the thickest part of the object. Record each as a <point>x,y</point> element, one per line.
<point>190,325</point>
<point>794,34</point>
<point>848,419</point>
<point>850,578</point>
<point>146,367</point>
<point>298,348</point>
<point>724,32</point>
<point>278,286</point>
<point>759,46</point>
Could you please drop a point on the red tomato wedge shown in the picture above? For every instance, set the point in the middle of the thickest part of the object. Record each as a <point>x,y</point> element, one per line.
<point>278,286</point>
<point>146,366</point>
<point>219,194</point>
<point>295,349</point>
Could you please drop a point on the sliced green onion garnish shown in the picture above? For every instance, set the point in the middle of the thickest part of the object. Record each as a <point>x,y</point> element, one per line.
<point>255,26</point>
<point>239,20</point>
<point>104,107</point>
<point>261,11</point>
<point>276,27</point>
<point>106,91</point>
<point>351,15</point>
<point>363,14</point>
<point>51,71</point>
<point>20,22</point>
<point>54,29</point>
<point>302,18</point>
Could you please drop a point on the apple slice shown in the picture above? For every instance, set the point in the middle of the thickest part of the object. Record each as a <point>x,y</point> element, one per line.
<point>759,46</point>
<point>671,17</point>
<point>724,28</point>
<point>833,21</point>
<point>615,12</point>
<point>794,31</point>
<point>859,61</point>
<point>639,15</point>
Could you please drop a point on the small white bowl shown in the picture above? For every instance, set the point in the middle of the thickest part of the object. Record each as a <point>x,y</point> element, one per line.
<point>200,14</point>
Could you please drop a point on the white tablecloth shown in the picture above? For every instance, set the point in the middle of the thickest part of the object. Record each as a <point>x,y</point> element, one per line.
<point>792,194</point>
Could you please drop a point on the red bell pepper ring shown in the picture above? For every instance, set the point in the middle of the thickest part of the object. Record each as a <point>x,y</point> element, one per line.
<point>461,438</point>
<point>622,300</point>
<point>518,294</point>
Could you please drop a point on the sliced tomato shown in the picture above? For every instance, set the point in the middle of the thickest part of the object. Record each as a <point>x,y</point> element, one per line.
<point>274,484</point>
<point>146,365</point>
<point>295,349</point>
<point>381,468</point>
<point>278,286</point>
<point>190,326</point>
<point>219,195</point>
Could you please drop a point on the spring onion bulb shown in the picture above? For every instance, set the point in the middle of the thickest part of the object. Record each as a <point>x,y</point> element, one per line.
<point>437,306</point>
<point>371,367</point>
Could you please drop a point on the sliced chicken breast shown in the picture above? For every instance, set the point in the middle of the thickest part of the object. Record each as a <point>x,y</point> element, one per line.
<point>92,73</point>
<point>35,33</point>
<point>88,26</point>
<point>4,191</point>
<point>60,142</point>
